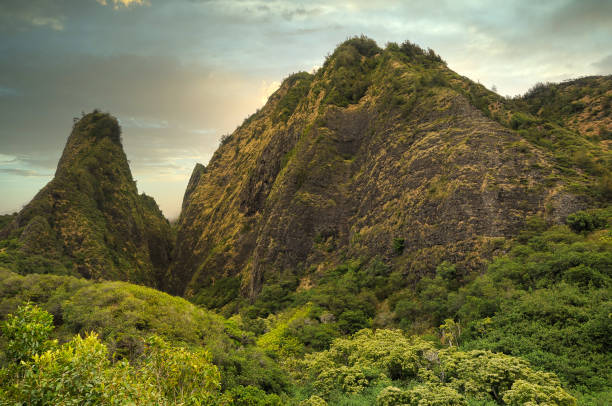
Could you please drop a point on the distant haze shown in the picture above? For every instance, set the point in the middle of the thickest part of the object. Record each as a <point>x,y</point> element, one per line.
<point>179,74</point>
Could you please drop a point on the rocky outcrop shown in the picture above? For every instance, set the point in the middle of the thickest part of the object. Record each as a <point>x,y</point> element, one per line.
<point>90,217</point>
<point>381,154</point>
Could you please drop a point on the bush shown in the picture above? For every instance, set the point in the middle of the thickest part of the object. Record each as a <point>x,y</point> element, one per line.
<point>398,245</point>
<point>299,86</point>
<point>182,376</point>
<point>81,371</point>
<point>252,396</point>
<point>314,400</point>
<point>27,333</point>
<point>520,121</point>
<point>586,221</point>
<point>436,377</point>
<point>124,315</point>
<point>527,393</point>
<point>430,395</point>
<point>364,45</point>
<point>351,321</point>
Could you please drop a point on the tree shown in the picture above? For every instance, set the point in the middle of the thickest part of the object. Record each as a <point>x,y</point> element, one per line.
<point>450,331</point>
<point>27,333</point>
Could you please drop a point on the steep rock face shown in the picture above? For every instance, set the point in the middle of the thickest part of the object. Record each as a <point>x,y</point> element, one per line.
<point>90,217</point>
<point>381,153</point>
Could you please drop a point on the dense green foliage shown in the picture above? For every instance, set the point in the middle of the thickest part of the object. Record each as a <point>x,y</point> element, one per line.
<point>350,77</point>
<point>385,365</point>
<point>547,300</point>
<point>82,370</point>
<point>5,219</point>
<point>27,333</point>
<point>426,374</point>
<point>299,86</point>
<point>125,315</point>
<point>563,103</point>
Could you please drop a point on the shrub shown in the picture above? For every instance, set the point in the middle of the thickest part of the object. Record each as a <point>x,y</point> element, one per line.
<point>299,86</point>
<point>182,376</point>
<point>225,138</point>
<point>82,372</point>
<point>430,395</point>
<point>586,221</point>
<point>124,315</point>
<point>520,120</point>
<point>351,321</point>
<point>314,400</point>
<point>364,45</point>
<point>27,333</point>
<point>252,396</point>
<point>527,393</point>
<point>440,377</point>
<point>398,245</point>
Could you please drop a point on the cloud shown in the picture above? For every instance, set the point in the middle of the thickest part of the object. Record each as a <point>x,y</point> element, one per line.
<point>266,89</point>
<point>31,13</point>
<point>205,131</point>
<point>5,159</point>
<point>124,3</point>
<point>21,166</point>
<point>7,91</point>
<point>140,122</point>
<point>51,22</point>
<point>604,65</point>
<point>23,172</point>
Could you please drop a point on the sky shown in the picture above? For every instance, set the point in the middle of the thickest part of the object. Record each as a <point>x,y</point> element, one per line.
<point>178,74</point>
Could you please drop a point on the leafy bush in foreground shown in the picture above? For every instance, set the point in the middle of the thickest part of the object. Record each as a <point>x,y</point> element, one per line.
<point>125,315</point>
<point>81,372</point>
<point>425,374</point>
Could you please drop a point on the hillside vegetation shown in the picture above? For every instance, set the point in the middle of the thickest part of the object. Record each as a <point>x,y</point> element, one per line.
<point>382,232</point>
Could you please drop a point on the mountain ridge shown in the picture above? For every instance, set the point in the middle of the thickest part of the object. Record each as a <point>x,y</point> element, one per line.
<point>293,186</point>
<point>382,231</point>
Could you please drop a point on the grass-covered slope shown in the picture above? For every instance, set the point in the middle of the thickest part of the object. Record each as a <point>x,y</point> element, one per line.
<point>583,105</point>
<point>90,220</point>
<point>125,315</point>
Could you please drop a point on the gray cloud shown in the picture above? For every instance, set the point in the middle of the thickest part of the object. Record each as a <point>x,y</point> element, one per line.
<point>22,172</point>
<point>20,15</point>
<point>118,4</point>
<point>7,91</point>
<point>604,66</point>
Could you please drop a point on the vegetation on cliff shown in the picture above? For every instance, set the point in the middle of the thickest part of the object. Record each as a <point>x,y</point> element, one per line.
<point>382,154</point>
<point>90,220</point>
<point>383,231</point>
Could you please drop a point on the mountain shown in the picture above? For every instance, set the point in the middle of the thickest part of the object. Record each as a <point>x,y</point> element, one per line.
<point>584,105</point>
<point>383,231</point>
<point>381,154</point>
<point>90,220</point>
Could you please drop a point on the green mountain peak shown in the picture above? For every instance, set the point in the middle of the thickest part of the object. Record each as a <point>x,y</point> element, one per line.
<point>90,220</point>
<point>378,147</point>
